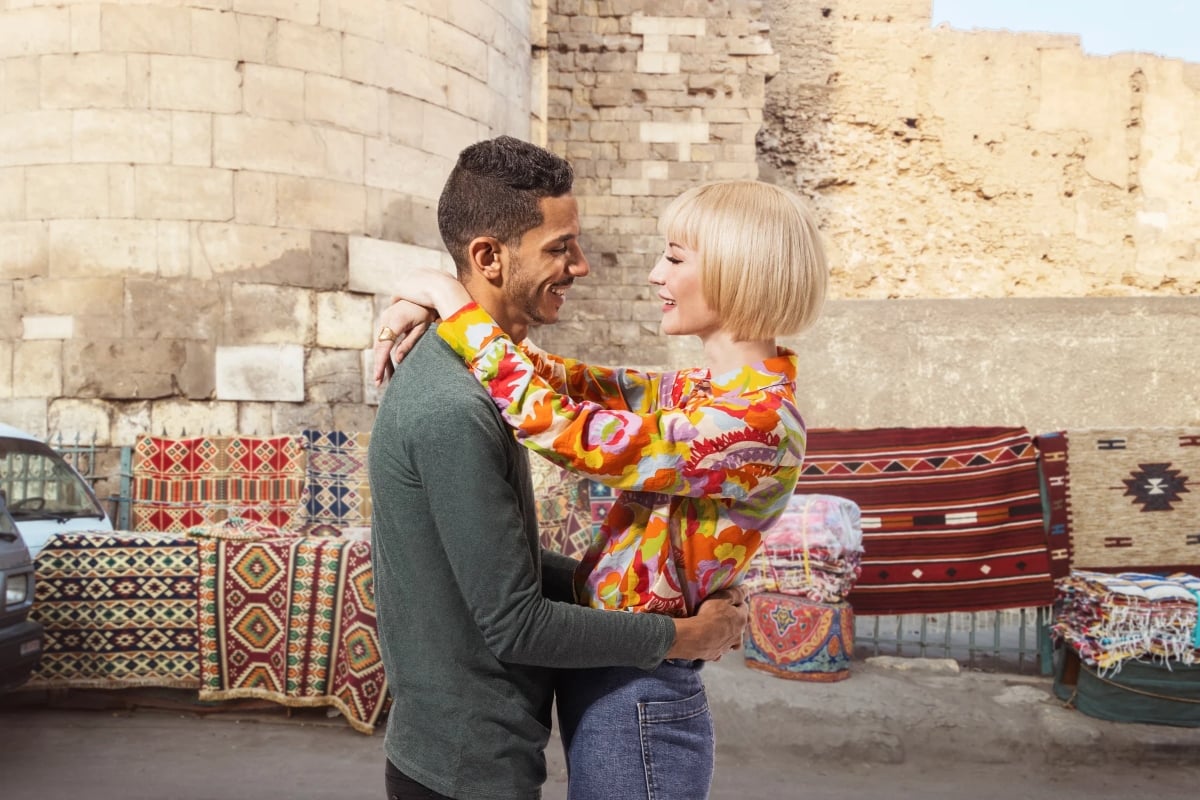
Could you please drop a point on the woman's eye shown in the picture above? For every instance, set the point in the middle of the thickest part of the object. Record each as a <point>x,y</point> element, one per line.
<point>674,260</point>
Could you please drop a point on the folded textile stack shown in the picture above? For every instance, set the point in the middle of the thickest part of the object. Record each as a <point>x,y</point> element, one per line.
<point>813,551</point>
<point>1110,619</point>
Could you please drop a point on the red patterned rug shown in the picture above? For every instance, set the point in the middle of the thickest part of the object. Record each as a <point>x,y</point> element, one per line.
<point>179,484</point>
<point>291,620</point>
<point>951,517</point>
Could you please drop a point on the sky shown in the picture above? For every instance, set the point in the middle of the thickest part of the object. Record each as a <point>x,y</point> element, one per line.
<point>1164,27</point>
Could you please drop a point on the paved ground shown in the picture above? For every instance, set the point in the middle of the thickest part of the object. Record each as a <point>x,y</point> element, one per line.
<point>917,729</point>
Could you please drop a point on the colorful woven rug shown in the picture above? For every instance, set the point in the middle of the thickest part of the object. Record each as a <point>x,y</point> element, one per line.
<point>951,517</point>
<point>1132,498</point>
<point>339,492</point>
<point>181,483</point>
<point>564,510</point>
<point>119,610</point>
<point>292,621</point>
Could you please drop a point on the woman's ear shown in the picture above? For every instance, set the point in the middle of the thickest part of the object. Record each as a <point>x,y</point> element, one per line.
<point>485,255</point>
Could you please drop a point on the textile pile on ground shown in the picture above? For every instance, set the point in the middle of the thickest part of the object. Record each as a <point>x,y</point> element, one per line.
<point>1108,620</point>
<point>801,626</point>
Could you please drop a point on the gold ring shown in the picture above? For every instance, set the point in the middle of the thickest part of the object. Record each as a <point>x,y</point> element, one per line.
<point>386,334</point>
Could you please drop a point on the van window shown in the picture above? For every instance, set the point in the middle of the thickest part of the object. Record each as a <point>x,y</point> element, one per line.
<point>36,483</point>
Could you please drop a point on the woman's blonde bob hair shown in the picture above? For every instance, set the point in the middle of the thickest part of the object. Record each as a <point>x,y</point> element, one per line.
<point>762,264</point>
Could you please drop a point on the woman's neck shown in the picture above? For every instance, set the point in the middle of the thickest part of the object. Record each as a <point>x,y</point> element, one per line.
<point>722,353</point>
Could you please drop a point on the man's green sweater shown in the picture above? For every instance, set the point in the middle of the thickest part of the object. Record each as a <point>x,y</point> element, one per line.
<point>462,590</point>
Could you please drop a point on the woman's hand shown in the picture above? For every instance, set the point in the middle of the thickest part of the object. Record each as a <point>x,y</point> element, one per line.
<point>401,324</point>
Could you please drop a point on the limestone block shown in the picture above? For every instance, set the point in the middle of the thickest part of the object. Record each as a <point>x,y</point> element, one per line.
<point>138,78</point>
<point>87,419</point>
<point>344,320</point>
<point>128,421</point>
<point>89,80</point>
<point>27,413</point>
<point>320,204</point>
<point>119,136</point>
<point>55,326</point>
<point>254,198</point>
<point>191,139</point>
<point>266,314</point>
<point>408,27</point>
<point>380,64</point>
<point>308,48</point>
<point>174,249</point>
<point>25,248</point>
<point>406,119</point>
<point>37,368</point>
<point>195,309</point>
<point>176,417</point>
<point>627,186</point>
<point>360,17</point>
<point>86,248</point>
<point>333,376</point>
<point>35,137</point>
<point>342,103</point>
<point>405,169</point>
<point>277,255</point>
<point>666,26</point>
<point>398,217</point>
<point>261,372</point>
<point>122,195</point>
<point>288,148</point>
<point>20,84</point>
<point>121,369</point>
<point>68,190</point>
<point>170,192</point>
<point>693,131</point>
<point>12,194</point>
<point>72,297</point>
<point>305,12</point>
<point>85,28</point>
<point>458,49</point>
<point>372,394</point>
<point>353,417</point>
<point>295,417</point>
<point>196,379</point>
<point>273,92</point>
<point>466,96</point>
<point>33,31</point>
<point>254,419</point>
<point>377,266</point>
<point>446,133</point>
<point>145,29</point>
<point>186,83</point>
<point>215,34</point>
<point>6,373</point>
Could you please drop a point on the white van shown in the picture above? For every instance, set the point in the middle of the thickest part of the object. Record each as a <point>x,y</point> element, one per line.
<point>43,493</point>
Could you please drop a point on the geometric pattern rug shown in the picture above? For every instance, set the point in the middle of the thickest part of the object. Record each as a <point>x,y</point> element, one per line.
<point>291,620</point>
<point>182,483</point>
<point>339,492</point>
<point>1132,498</point>
<point>564,510</point>
<point>951,517</point>
<point>119,610</point>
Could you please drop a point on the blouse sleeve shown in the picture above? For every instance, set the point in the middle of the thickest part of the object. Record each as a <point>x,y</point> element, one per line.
<point>614,388</point>
<point>729,444</point>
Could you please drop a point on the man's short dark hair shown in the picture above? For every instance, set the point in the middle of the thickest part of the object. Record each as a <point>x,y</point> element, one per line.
<point>494,190</point>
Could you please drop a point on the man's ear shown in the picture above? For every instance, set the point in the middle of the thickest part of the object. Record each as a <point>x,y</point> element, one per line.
<point>486,254</point>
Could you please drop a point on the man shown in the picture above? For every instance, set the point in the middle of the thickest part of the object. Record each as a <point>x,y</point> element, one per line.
<point>472,614</point>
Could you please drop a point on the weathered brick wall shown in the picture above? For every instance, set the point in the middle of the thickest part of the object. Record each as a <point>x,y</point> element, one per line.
<point>646,99</point>
<point>199,201</point>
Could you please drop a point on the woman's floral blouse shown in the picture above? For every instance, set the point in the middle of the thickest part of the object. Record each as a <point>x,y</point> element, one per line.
<point>704,464</point>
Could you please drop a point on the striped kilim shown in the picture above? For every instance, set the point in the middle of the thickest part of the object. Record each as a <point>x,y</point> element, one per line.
<point>181,483</point>
<point>951,517</point>
<point>291,620</point>
<point>339,492</point>
<point>119,610</point>
<point>1132,498</point>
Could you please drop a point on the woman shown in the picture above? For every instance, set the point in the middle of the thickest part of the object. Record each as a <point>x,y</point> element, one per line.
<point>705,460</point>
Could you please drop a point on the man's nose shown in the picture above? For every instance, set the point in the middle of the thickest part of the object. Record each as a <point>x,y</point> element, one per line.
<point>579,267</point>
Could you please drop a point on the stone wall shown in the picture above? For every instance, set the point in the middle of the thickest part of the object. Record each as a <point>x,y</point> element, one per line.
<point>203,203</point>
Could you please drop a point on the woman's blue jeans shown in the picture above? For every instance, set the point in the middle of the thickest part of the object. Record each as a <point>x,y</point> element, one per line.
<point>636,735</point>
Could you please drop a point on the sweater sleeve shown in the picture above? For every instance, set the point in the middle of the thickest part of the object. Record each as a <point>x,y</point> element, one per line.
<point>728,444</point>
<point>478,518</point>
